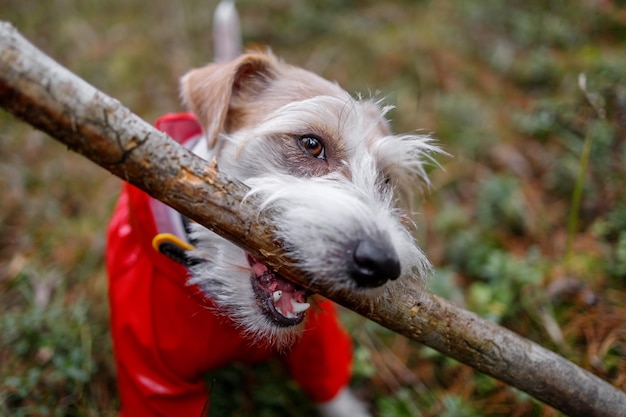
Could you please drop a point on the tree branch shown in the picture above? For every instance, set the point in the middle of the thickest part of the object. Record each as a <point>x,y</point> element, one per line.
<point>38,90</point>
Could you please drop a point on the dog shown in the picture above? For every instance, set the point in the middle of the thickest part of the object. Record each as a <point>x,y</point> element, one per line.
<point>338,186</point>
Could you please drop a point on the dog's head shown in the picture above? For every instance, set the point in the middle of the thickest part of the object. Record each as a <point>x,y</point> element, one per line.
<point>327,167</point>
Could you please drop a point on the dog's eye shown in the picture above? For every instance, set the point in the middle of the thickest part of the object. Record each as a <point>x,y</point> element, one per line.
<point>312,145</point>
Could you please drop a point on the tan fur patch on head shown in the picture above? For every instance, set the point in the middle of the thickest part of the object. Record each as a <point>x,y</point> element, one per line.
<point>209,91</point>
<point>230,96</point>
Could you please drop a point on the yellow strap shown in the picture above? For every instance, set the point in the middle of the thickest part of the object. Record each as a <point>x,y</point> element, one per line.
<point>161,238</point>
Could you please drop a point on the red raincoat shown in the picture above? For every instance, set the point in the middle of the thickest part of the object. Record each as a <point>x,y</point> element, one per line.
<point>165,338</point>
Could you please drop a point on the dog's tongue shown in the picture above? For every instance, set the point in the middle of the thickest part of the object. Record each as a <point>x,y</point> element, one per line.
<point>289,300</point>
<point>258,268</point>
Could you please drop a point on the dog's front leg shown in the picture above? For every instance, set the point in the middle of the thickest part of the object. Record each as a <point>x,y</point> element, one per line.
<point>345,404</point>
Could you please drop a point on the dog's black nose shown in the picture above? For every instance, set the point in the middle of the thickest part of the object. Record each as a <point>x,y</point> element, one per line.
<point>374,262</point>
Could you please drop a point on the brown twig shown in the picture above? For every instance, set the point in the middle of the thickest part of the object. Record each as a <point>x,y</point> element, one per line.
<point>36,89</point>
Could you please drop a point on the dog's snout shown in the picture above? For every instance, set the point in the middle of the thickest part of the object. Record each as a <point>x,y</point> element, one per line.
<point>374,263</point>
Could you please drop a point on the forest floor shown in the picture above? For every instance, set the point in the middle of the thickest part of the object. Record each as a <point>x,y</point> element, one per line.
<point>513,91</point>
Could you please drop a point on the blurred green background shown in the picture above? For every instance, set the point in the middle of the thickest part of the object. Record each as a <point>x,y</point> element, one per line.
<point>498,83</point>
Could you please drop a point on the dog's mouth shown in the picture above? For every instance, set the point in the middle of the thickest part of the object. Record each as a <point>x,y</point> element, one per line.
<point>283,302</point>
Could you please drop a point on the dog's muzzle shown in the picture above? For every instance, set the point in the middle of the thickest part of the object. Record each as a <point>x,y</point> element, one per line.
<point>373,262</point>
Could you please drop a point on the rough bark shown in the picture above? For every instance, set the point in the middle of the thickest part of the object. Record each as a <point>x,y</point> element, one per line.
<point>36,89</point>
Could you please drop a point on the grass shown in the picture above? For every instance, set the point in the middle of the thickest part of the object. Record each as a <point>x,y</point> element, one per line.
<point>497,84</point>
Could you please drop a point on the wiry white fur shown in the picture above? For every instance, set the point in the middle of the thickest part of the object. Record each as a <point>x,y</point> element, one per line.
<point>402,157</point>
<point>319,219</point>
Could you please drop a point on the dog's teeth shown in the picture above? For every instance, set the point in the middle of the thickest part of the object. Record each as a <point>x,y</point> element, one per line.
<point>299,307</point>
<point>276,295</point>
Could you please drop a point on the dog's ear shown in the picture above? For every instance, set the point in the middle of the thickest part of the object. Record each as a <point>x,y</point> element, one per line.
<point>209,92</point>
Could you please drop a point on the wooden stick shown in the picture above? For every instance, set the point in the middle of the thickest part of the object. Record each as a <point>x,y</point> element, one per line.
<point>36,89</point>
